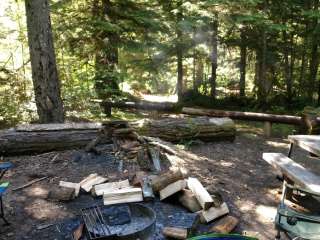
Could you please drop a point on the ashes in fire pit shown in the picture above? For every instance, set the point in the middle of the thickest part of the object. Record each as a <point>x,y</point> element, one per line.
<point>125,221</point>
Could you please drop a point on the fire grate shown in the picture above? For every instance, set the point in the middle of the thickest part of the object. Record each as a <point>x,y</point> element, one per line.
<point>97,227</point>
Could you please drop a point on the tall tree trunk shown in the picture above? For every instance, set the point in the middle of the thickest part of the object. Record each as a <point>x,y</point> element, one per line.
<point>314,58</point>
<point>43,62</point>
<point>243,63</point>
<point>302,69</point>
<point>287,72</point>
<point>303,84</point>
<point>292,64</point>
<point>214,56</point>
<point>179,54</point>
<point>106,58</point>
<point>195,88</point>
<point>199,72</point>
<point>261,69</point>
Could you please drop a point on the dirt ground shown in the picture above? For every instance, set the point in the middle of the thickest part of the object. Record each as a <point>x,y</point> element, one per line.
<point>247,183</point>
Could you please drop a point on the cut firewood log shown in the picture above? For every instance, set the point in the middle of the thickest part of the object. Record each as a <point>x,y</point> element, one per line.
<point>225,225</point>
<point>93,179</point>
<point>147,191</point>
<point>61,194</point>
<point>202,195</point>
<point>129,146</point>
<point>176,233</point>
<point>100,189</point>
<point>172,189</point>
<point>143,160</point>
<point>137,179</point>
<point>213,213</point>
<point>122,131</point>
<point>75,186</point>
<point>163,180</point>
<point>125,195</point>
<point>154,153</point>
<point>189,201</point>
<point>78,232</point>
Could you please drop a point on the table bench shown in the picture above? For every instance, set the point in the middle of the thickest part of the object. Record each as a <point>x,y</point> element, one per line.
<point>301,181</point>
<point>294,171</point>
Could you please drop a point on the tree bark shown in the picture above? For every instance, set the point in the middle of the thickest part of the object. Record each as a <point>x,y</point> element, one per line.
<point>214,56</point>
<point>43,62</point>
<point>243,63</point>
<point>287,71</point>
<point>314,57</point>
<point>199,73</point>
<point>179,54</point>
<point>260,71</point>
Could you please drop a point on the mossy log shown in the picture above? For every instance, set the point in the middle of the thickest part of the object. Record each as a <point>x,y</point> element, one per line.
<point>14,142</point>
<point>177,129</point>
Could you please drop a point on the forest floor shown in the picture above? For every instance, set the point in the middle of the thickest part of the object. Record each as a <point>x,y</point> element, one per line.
<point>247,183</point>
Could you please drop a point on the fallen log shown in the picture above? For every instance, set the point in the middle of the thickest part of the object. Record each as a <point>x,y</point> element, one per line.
<point>14,142</point>
<point>143,105</point>
<point>250,116</point>
<point>177,129</point>
<point>57,126</point>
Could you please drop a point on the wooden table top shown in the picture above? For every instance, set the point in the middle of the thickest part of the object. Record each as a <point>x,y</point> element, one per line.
<point>310,143</point>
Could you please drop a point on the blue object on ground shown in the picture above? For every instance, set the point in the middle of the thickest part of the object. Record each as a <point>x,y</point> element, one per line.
<point>3,187</point>
<point>5,165</point>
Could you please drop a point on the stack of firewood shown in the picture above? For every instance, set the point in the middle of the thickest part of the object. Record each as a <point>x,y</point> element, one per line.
<point>196,198</point>
<point>128,145</point>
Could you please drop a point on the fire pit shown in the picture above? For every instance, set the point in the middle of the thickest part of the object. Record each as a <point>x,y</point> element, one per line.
<point>124,221</point>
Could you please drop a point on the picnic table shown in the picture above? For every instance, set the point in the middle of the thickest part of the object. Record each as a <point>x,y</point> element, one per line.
<point>310,143</point>
<point>303,182</point>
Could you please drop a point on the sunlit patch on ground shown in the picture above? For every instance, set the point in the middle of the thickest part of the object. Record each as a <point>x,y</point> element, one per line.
<point>277,144</point>
<point>226,164</point>
<point>266,214</point>
<point>45,210</point>
<point>157,98</point>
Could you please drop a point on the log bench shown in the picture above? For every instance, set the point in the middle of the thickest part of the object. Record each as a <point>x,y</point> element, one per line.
<point>294,171</point>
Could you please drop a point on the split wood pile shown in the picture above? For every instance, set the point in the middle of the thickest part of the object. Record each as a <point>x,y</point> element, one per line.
<point>197,199</point>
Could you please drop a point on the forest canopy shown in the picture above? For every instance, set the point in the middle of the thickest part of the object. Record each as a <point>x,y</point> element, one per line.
<point>244,54</point>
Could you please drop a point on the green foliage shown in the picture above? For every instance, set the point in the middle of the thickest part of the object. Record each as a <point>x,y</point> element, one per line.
<point>102,49</point>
